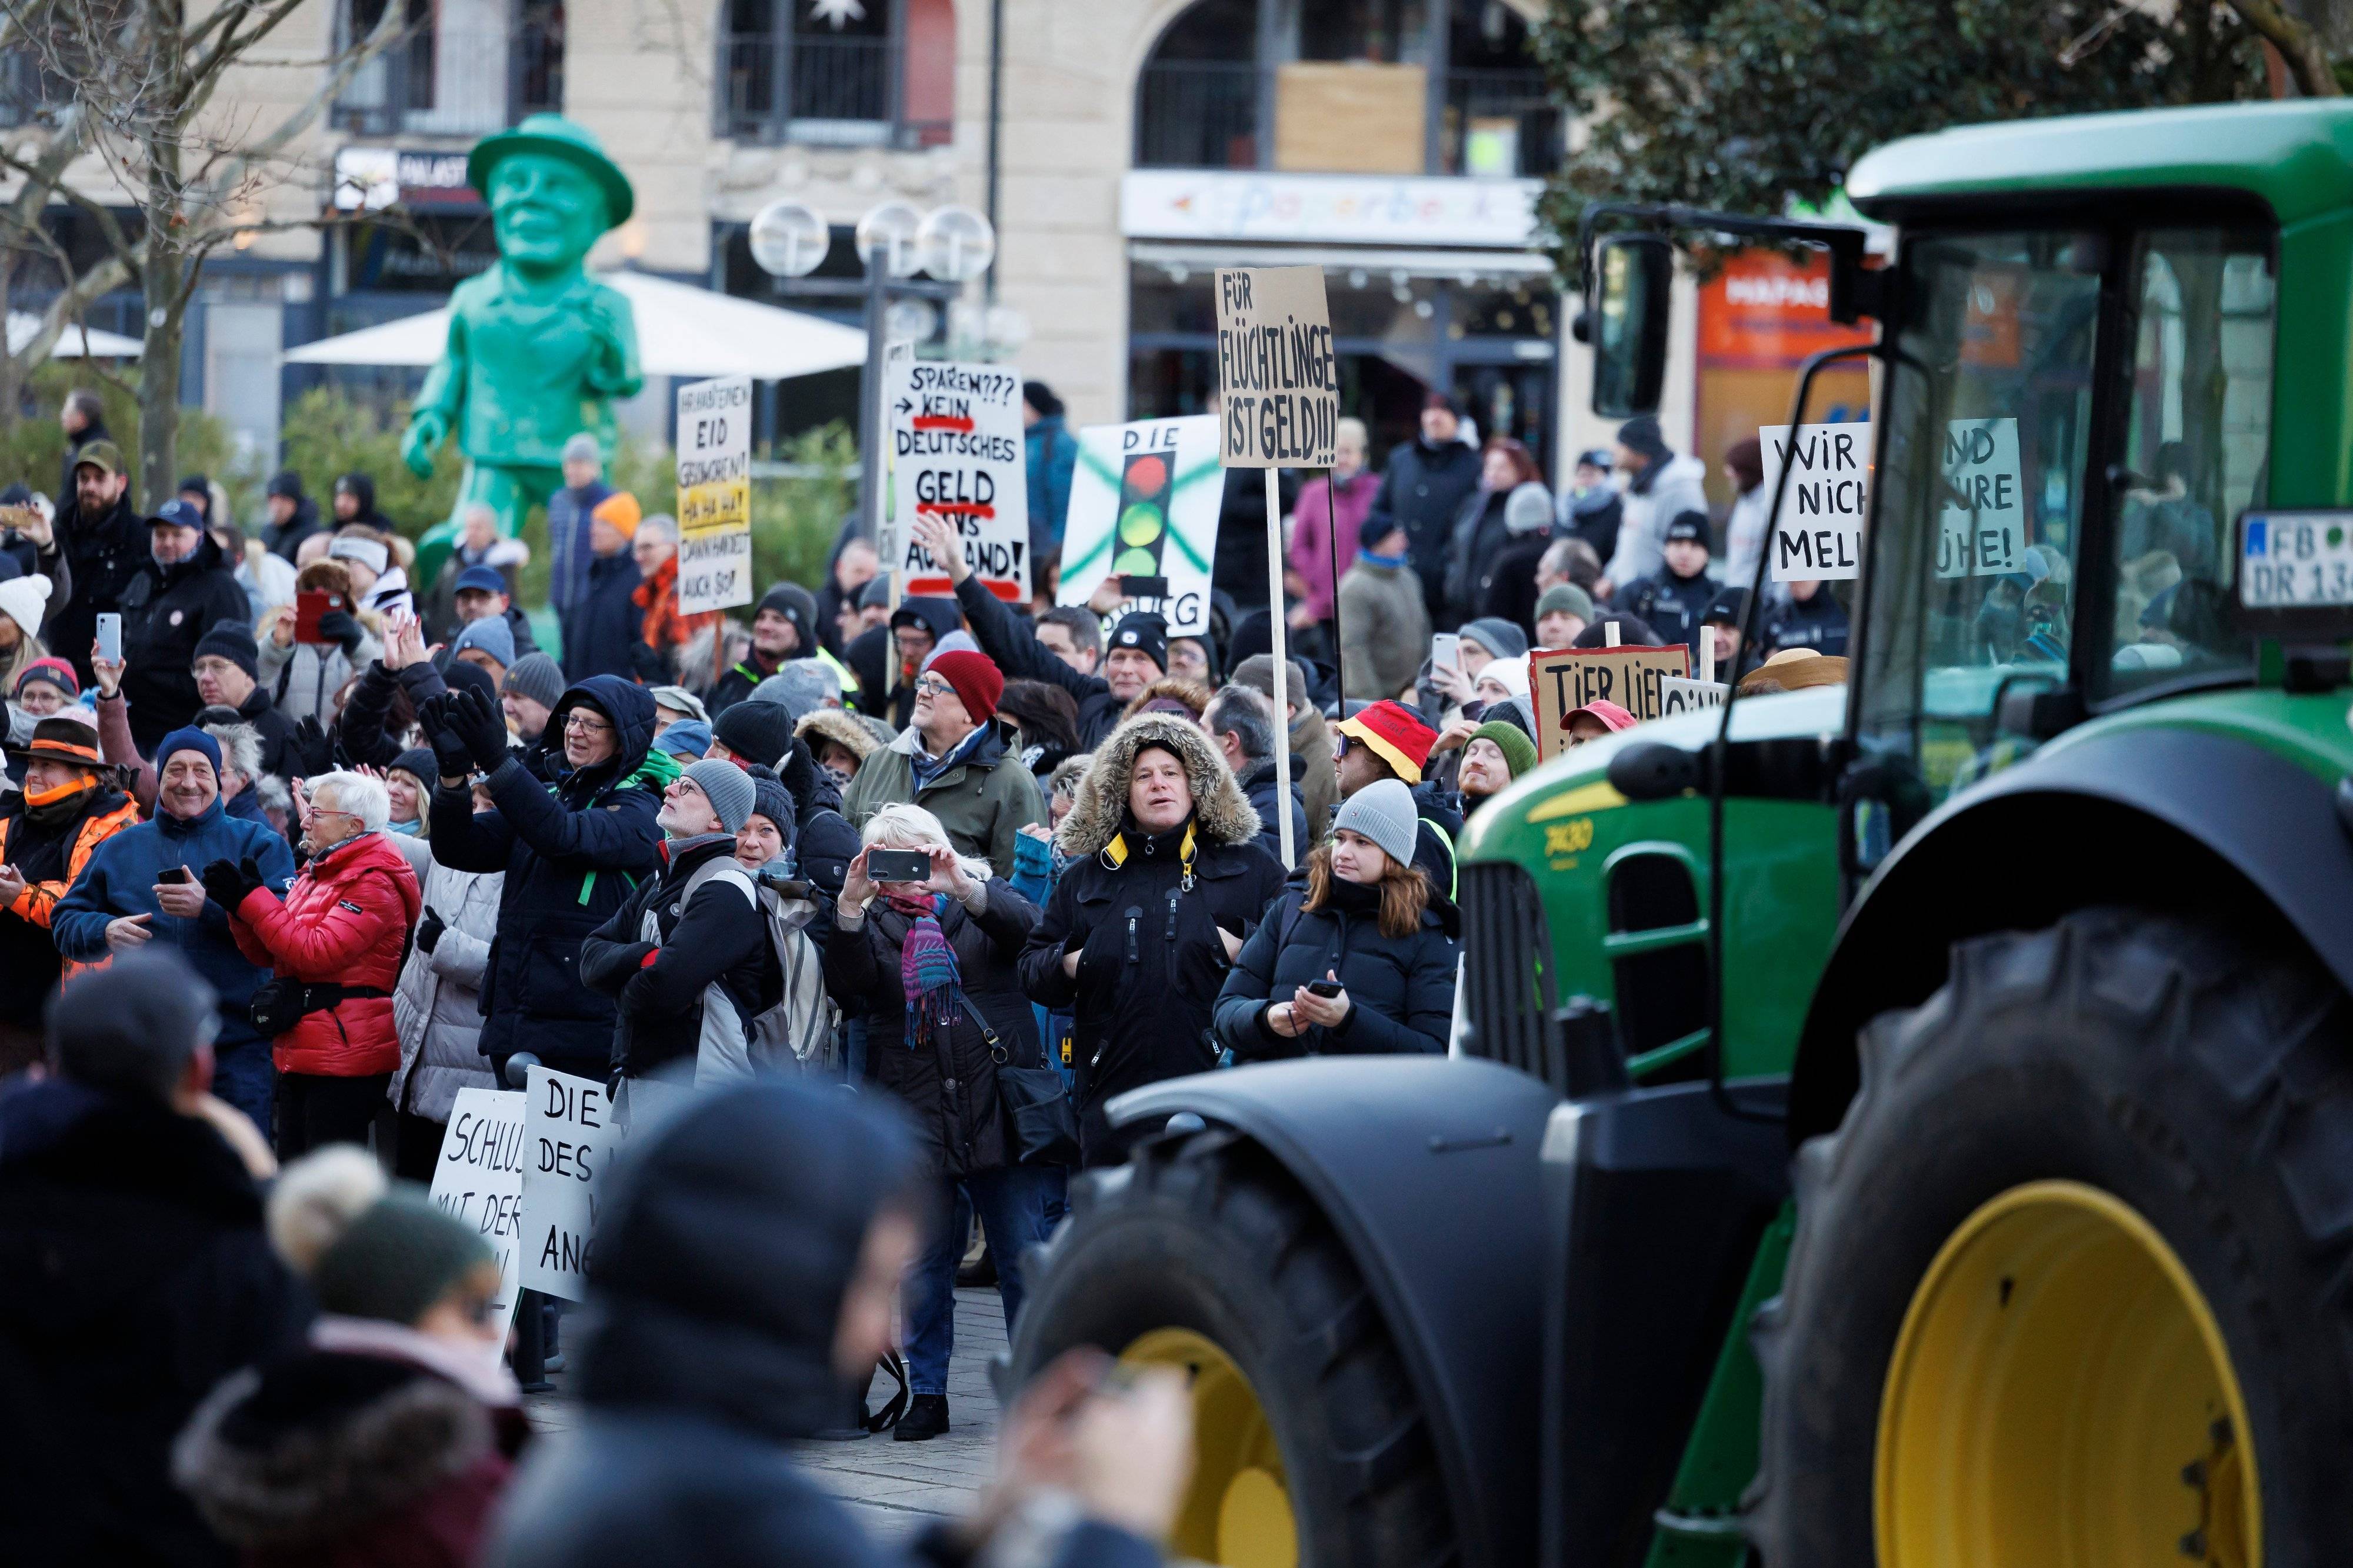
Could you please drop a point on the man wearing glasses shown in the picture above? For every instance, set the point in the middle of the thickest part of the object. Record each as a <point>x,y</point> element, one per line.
<point>572,847</point>
<point>952,761</point>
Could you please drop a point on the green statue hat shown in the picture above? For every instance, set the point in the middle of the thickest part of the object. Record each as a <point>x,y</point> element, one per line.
<point>561,138</point>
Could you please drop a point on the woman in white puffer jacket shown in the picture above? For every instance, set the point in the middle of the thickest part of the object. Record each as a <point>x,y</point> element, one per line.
<point>435,1008</point>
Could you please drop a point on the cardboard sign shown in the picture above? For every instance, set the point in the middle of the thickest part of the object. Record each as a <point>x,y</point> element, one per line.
<point>568,1141</point>
<point>1562,680</point>
<point>480,1179</point>
<point>956,453</point>
<point>1818,533</point>
<point>1678,695</point>
<point>1983,533</point>
<point>1144,503</point>
<point>1278,380</point>
<point>714,494</point>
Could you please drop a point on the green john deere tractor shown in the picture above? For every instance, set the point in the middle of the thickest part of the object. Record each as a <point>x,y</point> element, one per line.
<point>1908,1121</point>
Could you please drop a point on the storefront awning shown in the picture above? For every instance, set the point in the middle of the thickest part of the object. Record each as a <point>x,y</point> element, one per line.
<point>1381,261</point>
<point>73,342</point>
<point>681,330</point>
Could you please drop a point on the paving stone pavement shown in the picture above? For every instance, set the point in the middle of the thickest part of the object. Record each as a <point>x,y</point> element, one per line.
<point>895,1488</point>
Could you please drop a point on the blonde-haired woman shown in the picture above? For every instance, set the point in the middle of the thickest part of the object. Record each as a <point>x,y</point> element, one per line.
<point>1362,961</point>
<point>932,965</point>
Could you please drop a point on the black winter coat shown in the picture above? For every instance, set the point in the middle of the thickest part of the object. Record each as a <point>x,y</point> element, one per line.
<point>602,632</point>
<point>166,611</point>
<point>1239,563</point>
<point>1259,785</point>
<point>1150,963</point>
<point>1424,488</point>
<point>824,843</point>
<point>714,938</point>
<point>573,852</point>
<point>138,1277</point>
<point>1400,993</point>
<point>1479,537</point>
<point>104,553</point>
<point>1008,639</point>
<point>1595,517</point>
<point>1510,592</point>
<point>1819,623</point>
<point>279,750</point>
<point>961,1130</point>
<point>1673,606</point>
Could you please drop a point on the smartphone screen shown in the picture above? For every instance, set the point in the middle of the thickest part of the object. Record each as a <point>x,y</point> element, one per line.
<point>110,637</point>
<point>1445,651</point>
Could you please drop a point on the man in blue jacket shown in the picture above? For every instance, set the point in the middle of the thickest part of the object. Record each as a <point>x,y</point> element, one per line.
<point>573,850</point>
<point>141,887</point>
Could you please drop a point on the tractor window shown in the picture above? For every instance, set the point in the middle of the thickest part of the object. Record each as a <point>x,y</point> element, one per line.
<point>2196,433</point>
<point>1988,412</point>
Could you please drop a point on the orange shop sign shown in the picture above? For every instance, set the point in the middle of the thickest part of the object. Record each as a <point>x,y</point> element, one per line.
<point>1762,311</point>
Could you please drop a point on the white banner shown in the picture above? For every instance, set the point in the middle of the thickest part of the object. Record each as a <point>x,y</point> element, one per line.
<point>1144,505</point>
<point>1983,533</point>
<point>714,494</point>
<point>480,1179</point>
<point>1679,694</point>
<point>1817,532</point>
<point>568,1141</point>
<point>956,453</point>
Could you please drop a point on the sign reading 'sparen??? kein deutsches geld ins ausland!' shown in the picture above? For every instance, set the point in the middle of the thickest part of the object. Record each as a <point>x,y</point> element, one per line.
<point>956,453</point>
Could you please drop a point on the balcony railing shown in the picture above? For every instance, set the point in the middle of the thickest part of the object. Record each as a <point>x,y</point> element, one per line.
<point>468,71</point>
<point>1499,122</point>
<point>1198,114</point>
<point>828,91</point>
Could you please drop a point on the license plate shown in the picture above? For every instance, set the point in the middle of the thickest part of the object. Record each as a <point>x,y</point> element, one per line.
<point>2295,560</point>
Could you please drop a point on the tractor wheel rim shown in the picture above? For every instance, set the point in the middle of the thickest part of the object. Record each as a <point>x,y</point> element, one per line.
<point>1237,1510</point>
<point>2061,1397</point>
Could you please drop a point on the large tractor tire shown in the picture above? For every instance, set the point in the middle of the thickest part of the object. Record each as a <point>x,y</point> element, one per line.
<point>1201,1253</point>
<point>2069,1286</point>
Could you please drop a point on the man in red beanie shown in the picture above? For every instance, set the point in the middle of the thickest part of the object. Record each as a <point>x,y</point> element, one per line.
<point>953,759</point>
<point>1388,740</point>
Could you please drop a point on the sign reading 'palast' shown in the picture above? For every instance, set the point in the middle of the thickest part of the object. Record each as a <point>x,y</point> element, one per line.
<point>714,494</point>
<point>1278,379</point>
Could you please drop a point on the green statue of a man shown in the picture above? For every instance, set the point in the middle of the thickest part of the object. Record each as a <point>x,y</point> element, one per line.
<point>537,349</point>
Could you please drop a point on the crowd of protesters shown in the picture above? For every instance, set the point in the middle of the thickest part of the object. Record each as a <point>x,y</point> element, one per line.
<point>297,848</point>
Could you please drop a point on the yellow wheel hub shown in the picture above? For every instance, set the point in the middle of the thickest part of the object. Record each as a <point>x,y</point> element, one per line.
<point>2061,1397</point>
<point>1237,1511</point>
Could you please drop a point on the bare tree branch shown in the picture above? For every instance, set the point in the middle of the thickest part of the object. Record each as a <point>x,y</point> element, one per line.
<point>2299,45</point>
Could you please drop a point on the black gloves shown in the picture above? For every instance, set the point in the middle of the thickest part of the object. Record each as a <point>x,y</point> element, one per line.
<point>646,664</point>
<point>452,758</point>
<point>230,886</point>
<point>341,629</point>
<point>312,749</point>
<point>429,929</point>
<point>475,720</point>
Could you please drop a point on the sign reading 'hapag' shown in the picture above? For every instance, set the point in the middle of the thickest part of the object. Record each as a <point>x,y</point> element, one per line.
<point>1817,532</point>
<point>1278,380</point>
<point>479,1179</point>
<point>714,494</point>
<point>956,453</point>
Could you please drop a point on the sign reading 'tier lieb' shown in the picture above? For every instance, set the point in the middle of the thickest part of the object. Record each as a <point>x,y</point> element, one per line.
<point>1562,680</point>
<point>1278,379</point>
<point>956,453</point>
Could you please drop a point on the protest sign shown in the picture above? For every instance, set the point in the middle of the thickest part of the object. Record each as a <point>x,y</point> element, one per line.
<point>1562,680</point>
<point>956,453</point>
<point>1817,532</point>
<point>1678,694</point>
<point>714,494</point>
<point>479,1179</point>
<point>568,1141</point>
<point>1983,532</point>
<point>1144,504</point>
<point>1278,381</point>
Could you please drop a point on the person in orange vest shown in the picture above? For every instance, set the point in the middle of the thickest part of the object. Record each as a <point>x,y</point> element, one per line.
<point>66,808</point>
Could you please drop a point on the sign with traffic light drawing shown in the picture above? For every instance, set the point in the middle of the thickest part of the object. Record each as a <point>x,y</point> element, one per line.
<point>1143,507</point>
<point>714,494</point>
<point>956,453</point>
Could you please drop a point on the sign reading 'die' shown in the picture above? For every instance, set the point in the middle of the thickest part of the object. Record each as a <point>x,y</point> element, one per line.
<point>956,453</point>
<point>1818,533</point>
<point>1144,506</point>
<point>1278,380</point>
<point>714,494</point>
<point>1562,680</point>
<point>1983,533</point>
<point>568,1140</point>
<point>480,1179</point>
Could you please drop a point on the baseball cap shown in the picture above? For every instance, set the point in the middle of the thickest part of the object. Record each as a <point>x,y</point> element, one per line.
<point>177,513</point>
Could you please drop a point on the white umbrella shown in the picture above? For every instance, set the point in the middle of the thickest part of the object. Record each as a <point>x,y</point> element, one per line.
<point>72,343</point>
<point>681,330</point>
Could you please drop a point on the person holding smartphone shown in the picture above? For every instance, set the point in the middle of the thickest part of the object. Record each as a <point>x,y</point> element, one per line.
<point>1361,962</point>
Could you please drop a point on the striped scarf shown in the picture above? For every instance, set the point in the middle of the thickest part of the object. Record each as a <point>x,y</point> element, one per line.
<point>930,977</point>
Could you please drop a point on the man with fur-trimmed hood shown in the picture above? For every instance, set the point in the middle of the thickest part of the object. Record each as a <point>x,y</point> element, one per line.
<point>1165,882</point>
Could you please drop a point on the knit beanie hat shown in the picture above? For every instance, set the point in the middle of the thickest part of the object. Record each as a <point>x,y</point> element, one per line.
<point>1145,631</point>
<point>402,1253</point>
<point>24,599</point>
<point>1383,812</point>
<point>771,800</point>
<point>1499,637</point>
<point>1519,752</point>
<point>493,635</point>
<point>620,509</point>
<point>756,731</point>
<point>1395,733</point>
<point>727,787</point>
<point>1564,599</point>
<point>796,605</point>
<point>1642,434</point>
<point>679,699</point>
<point>687,738</point>
<point>188,740</point>
<point>1257,673</point>
<point>583,448</point>
<point>231,641</point>
<point>977,682</point>
<point>1529,508</point>
<point>537,676</point>
<point>418,764</point>
<point>1511,674</point>
<point>803,686</point>
<point>56,671</point>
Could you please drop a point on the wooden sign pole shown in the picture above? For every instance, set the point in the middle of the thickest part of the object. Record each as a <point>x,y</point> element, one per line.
<point>1281,661</point>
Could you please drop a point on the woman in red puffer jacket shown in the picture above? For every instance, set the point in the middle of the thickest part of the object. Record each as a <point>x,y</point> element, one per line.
<point>338,936</point>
